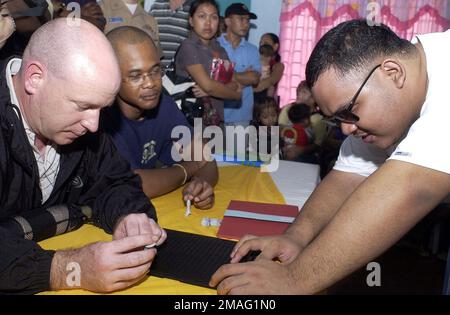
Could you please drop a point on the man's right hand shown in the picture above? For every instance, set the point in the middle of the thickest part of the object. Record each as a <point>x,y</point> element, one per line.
<point>105,266</point>
<point>281,247</point>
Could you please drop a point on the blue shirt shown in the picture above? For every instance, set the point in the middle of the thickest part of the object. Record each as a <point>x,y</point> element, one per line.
<point>146,141</point>
<point>244,56</point>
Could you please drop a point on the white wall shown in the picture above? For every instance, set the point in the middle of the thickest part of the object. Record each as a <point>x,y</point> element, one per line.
<point>148,4</point>
<point>268,12</point>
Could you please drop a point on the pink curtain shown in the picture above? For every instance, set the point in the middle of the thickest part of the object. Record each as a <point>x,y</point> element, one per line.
<point>303,23</point>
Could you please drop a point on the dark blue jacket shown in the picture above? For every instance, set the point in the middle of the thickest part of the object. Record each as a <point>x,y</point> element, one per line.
<point>91,174</point>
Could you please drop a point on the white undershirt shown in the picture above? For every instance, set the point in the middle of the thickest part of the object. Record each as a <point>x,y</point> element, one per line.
<point>131,7</point>
<point>48,163</point>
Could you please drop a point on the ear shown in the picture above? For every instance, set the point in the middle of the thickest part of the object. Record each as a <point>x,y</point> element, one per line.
<point>190,22</point>
<point>227,22</point>
<point>395,70</point>
<point>34,75</point>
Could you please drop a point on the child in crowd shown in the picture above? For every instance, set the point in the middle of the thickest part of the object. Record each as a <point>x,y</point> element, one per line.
<point>299,135</point>
<point>266,54</point>
<point>303,96</point>
<point>270,82</point>
<point>265,114</point>
<point>319,127</point>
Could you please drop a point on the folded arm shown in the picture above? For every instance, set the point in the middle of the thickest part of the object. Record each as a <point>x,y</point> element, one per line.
<point>210,86</point>
<point>273,79</point>
<point>248,77</point>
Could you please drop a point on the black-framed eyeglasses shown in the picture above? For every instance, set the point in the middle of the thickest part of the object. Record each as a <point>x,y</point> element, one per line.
<point>345,114</point>
<point>139,78</point>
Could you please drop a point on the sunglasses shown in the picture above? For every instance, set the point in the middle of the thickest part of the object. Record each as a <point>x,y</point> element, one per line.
<point>345,114</point>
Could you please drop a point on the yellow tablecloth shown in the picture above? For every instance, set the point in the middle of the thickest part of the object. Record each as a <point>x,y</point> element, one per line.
<point>235,183</point>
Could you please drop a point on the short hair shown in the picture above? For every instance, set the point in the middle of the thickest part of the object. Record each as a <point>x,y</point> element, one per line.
<point>197,3</point>
<point>262,103</point>
<point>276,40</point>
<point>354,45</point>
<point>298,112</point>
<point>303,86</point>
<point>266,51</point>
<point>56,42</point>
<point>128,35</point>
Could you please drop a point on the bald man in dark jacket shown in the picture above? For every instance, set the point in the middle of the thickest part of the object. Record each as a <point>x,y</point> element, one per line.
<point>54,176</point>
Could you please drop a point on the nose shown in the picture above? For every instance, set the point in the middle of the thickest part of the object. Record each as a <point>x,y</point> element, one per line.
<point>348,129</point>
<point>148,81</point>
<point>91,120</point>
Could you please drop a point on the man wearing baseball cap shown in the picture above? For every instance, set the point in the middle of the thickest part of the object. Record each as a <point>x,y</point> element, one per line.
<point>246,59</point>
<point>239,9</point>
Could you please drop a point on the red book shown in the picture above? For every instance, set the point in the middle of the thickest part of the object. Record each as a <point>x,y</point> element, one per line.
<point>260,219</point>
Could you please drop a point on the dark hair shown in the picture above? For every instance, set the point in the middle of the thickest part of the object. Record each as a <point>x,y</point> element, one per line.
<point>266,50</point>
<point>303,85</point>
<point>197,3</point>
<point>276,40</point>
<point>128,35</point>
<point>260,105</point>
<point>354,45</point>
<point>299,112</point>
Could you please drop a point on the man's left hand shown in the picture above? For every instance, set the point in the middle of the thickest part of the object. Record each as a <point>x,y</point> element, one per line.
<point>261,276</point>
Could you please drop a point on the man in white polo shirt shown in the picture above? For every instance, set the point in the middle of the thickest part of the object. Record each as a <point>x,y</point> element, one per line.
<point>391,97</point>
